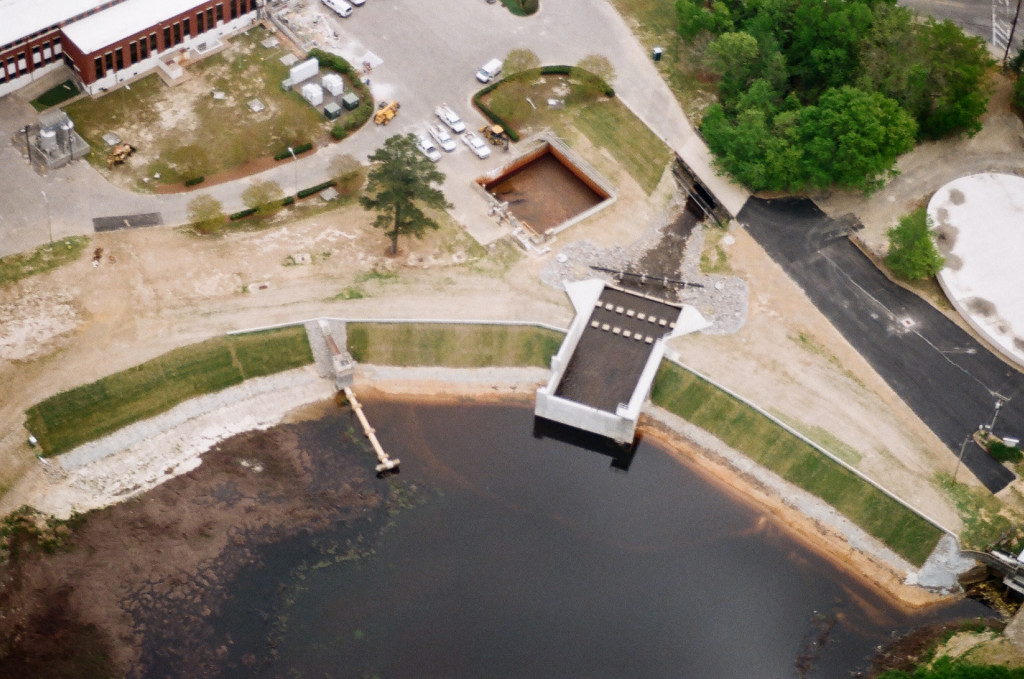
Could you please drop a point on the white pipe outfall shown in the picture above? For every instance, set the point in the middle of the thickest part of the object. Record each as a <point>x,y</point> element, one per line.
<point>386,463</point>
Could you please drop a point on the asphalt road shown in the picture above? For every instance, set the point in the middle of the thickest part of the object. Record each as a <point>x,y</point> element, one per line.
<point>950,380</point>
<point>987,19</point>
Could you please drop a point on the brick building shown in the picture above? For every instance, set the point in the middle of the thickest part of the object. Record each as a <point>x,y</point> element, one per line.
<point>104,42</point>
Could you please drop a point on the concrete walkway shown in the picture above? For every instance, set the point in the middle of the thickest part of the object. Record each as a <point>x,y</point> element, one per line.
<point>428,53</point>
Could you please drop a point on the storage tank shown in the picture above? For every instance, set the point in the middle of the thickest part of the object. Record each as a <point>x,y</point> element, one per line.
<point>48,139</point>
<point>313,93</point>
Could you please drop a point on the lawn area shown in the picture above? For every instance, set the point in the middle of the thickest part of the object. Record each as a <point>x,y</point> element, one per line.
<point>55,95</point>
<point>90,411</point>
<point>771,446</point>
<point>13,268</point>
<point>185,132</point>
<point>454,346</point>
<point>606,122</point>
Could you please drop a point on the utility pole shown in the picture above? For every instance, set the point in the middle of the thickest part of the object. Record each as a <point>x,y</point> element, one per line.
<point>1013,27</point>
<point>49,221</point>
<point>295,173</point>
<point>960,458</point>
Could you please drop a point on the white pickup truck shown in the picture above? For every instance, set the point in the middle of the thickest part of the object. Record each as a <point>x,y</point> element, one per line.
<point>450,118</point>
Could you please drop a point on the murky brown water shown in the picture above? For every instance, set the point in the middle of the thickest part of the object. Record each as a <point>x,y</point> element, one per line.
<point>544,193</point>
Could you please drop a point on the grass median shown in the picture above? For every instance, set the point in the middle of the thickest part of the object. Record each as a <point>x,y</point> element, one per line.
<point>771,446</point>
<point>91,411</point>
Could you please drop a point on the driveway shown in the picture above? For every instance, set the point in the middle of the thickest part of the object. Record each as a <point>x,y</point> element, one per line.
<point>948,378</point>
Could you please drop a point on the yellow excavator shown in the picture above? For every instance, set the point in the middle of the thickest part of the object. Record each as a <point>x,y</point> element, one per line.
<point>385,112</point>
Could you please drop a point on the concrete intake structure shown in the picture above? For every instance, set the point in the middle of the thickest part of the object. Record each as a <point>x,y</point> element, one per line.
<point>603,372</point>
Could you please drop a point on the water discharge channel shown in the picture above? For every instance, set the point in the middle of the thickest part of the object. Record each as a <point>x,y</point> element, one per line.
<point>519,554</point>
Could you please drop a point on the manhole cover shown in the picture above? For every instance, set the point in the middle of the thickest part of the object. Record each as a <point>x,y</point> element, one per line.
<point>907,322</point>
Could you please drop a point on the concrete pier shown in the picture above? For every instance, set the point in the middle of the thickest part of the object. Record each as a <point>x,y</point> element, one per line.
<point>385,462</point>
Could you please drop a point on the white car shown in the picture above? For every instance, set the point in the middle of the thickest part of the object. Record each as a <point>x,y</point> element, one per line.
<point>340,7</point>
<point>450,118</point>
<point>441,136</point>
<point>357,3</point>
<point>428,148</point>
<point>476,144</point>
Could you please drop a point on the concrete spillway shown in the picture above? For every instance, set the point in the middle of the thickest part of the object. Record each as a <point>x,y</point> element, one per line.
<point>602,373</point>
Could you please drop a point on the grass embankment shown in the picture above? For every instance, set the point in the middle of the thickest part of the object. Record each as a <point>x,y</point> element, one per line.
<point>90,411</point>
<point>453,346</point>
<point>44,258</point>
<point>773,447</point>
<point>606,122</point>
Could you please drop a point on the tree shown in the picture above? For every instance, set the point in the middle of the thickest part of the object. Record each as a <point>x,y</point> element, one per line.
<point>912,252</point>
<point>400,180</point>
<point>852,138</point>
<point>519,60</point>
<point>599,65</point>
<point>205,213</point>
<point>263,196</point>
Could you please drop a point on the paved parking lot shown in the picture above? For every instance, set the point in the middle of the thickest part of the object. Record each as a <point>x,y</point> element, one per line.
<point>949,379</point>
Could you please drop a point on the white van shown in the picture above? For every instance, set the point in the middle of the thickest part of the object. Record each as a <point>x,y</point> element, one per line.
<point>488,71</point>
<point>342,8</point>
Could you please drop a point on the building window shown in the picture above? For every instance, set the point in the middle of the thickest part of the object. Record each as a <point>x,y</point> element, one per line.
<point>47,52</point>
<point>37,58</point>
<point>57,49</point>
<point>119,58</point>
<point>133,52</point>
<point>220,11</point>
<point>22,64</point>
<point>234,9</point>
<point>108,60</point>
<point>143,49</point>
<point>177,32</point>
<point>167,37</point>
<point>98,64</point>
<point>152,42</point>
<point>186,26</point>
<point>11,68</point>
<point>200,24</point>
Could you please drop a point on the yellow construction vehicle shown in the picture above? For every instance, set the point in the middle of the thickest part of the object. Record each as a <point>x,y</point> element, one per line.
<point>385,112</point>
<point>119,154</point>
<point>495,134</point>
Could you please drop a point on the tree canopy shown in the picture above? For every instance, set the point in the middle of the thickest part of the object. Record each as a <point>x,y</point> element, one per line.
<point>815,93</point>
<point>400,181</point>
<point>912,252</point>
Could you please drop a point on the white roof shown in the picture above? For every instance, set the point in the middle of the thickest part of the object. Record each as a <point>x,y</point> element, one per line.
<point>95,32</point>
<point>21,18</point>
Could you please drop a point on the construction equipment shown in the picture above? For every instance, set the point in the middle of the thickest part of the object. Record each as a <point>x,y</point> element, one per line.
<point>385,112</point>
<point>119,154</point>
<point>494,134</point>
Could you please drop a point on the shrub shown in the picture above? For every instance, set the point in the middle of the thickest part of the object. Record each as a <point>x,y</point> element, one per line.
<point>205,213</point>
<point>195,180</point>
<point>316,189</point>
<point>298,150</point>
<point>1004,453</point>
<point>912,252</point>
<point>1017,98</point>
<point>242,214</point>
<point>522,7</point>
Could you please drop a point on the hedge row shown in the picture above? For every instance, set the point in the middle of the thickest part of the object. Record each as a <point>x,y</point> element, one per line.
<point>195,180</point>
<point>478,101</point>
<point>364,111</point>
<point>298,150</point>
<point>243,214</point>
<point>316,189</point>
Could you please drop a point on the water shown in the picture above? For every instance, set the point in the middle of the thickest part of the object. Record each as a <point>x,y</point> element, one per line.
<point>535,557</point>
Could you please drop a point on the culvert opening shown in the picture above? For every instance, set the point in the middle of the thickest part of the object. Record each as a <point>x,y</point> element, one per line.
<point>547,190</point>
